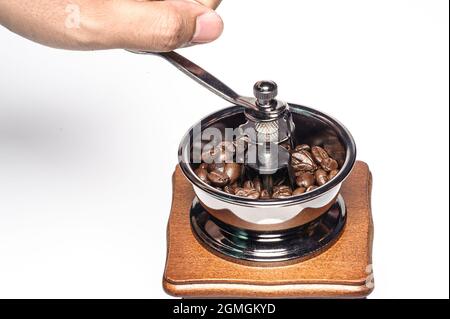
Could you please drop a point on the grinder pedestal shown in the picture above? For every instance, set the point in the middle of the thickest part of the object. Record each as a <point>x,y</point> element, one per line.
<point>341,270</point>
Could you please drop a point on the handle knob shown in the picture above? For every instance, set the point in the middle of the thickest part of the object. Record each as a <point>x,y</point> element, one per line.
<point>265,92</point>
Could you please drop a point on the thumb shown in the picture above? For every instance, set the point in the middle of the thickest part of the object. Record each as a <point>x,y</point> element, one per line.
<point>213,4</point>
<point>162,25</point>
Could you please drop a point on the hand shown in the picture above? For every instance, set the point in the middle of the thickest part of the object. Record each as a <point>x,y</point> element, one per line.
<point>109,24</point>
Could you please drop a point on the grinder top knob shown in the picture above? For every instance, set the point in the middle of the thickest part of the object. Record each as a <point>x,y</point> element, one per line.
<point>266,107</point>
<point>265,93</point>
<point>273,125</point>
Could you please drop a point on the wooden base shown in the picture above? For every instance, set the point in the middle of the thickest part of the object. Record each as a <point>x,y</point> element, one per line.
<point>342,271</point>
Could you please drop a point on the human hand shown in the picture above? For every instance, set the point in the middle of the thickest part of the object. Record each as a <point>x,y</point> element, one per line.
<point>109,24</point>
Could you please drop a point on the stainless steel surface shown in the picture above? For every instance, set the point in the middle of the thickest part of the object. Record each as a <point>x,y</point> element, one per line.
<point>269,109</point>
<point>268,246</point>
<point>265,92</point>
<point>312,127</point>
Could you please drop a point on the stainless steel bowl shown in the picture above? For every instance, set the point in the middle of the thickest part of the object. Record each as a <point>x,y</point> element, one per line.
<point>312,127</point>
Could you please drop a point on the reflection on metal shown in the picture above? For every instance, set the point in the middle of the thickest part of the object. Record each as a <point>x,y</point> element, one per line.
<point>268,246</point>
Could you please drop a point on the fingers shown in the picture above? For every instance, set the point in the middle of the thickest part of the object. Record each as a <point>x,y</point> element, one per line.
<point>107,24</point>
<point>160,25</point>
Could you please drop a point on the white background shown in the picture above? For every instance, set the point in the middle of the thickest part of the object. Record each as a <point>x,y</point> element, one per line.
<point>88,141</point>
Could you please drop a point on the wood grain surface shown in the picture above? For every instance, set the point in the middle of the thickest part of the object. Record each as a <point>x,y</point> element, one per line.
<point>341,271</point>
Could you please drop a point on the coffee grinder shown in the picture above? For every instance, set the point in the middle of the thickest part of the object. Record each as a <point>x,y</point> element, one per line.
<point>313,245</point>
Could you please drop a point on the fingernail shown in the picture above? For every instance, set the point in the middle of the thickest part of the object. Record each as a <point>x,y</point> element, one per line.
<point>208,28</point>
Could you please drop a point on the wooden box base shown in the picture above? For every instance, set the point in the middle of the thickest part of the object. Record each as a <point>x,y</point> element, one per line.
<point>342,271</point>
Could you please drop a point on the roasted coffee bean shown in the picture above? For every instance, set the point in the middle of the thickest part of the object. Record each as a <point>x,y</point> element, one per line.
<point>305,180</point>
<point>298,173</point>
<point>228,189</point>
<point>224,152</point>
<point>233,171</point>
<point>311,188</point>
<point>247,193</point>
<point>329,164</point>
<point>319,154</point>
<point>312,167</point>
<point>295,164</point>
<point>211,156</point>
<point>218,178</point>
<point>299,191</point>
<point>202,173</point>
<point>257,184</point>
<point>333,174</point>
<point>280,180</point>
<point>280,195</point>
<point>300,166</point>
<point>303,161</point>
<point>281,188</point>
<point>248,185</point>
<point>282,192</point>
<point>265,194</point>
<point>216,167</point>
<point>321,177</point>
<point>254,194</point>
<point>234,186</point>
<point>302,147</point>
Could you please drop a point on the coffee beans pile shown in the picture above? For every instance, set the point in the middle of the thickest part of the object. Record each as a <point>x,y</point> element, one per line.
<point>312,167</point>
